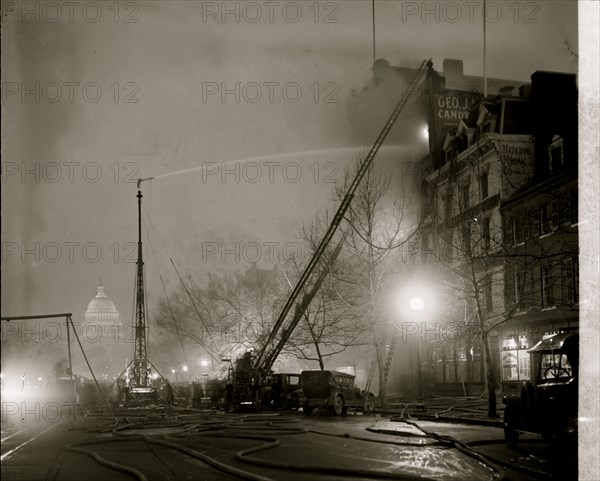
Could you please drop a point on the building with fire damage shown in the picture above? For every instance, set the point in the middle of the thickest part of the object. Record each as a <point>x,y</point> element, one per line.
<point>490,164</point>
<point>500,229</point>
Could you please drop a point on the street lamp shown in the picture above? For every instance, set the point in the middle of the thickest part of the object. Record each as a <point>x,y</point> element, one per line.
<point>416,302</point>
<point>417,305</point>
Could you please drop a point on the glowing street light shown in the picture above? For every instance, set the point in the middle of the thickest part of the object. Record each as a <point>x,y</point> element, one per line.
<point>416,304</point>
<point>185,368</point>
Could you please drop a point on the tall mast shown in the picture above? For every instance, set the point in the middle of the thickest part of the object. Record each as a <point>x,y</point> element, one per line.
<point>141,371</point>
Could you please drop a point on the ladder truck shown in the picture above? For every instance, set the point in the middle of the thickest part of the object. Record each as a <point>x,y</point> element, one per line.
<point>252,385</point>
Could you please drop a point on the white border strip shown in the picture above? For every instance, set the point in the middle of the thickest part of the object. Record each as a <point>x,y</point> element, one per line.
<point>589,239</point>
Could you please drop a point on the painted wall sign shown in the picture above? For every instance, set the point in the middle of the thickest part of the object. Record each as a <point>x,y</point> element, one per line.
<point>452,106</point>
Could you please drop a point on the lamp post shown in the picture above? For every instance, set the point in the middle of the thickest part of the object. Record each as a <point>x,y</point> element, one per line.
<point>417,305</point>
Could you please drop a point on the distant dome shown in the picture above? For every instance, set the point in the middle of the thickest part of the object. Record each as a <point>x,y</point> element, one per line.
<point>101,308</point>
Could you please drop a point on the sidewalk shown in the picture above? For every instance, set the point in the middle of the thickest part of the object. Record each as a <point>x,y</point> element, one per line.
<point>472,410</point>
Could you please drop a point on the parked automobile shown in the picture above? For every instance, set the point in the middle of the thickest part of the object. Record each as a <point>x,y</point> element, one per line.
<point>547,405</point>
<point>283,391</point>
<point>333,391</point>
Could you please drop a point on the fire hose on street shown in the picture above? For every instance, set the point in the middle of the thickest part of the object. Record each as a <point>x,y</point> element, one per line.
<point>180,426</point>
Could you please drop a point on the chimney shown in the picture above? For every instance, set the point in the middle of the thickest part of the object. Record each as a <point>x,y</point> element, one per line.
<point>453,73</point>
<point>554,103</point>
<point>525,90</point>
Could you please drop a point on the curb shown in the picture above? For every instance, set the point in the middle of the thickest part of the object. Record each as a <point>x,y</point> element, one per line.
<point>443,419</point>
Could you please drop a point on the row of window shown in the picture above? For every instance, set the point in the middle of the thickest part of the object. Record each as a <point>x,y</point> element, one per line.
<point>463,244</point>
<point>465,196</point>
<point>548,285</point>
<point>545,286</point>
<point>516,366</point>
<point>549,218</point>
<point>560,210</point>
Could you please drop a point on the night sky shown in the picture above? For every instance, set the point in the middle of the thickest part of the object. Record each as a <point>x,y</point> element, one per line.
<point>162,68</point>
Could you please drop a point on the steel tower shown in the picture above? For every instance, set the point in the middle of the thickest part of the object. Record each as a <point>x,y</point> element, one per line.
<point>141,369</point>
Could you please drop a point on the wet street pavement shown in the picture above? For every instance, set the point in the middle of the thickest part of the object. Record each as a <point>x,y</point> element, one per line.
<point>187,444</point>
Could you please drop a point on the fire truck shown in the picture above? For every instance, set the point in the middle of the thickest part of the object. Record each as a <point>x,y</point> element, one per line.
<point>547,405</point>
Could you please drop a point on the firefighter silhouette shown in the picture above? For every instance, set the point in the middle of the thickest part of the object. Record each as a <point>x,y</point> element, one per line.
<point>196,392</point>
<point>169,396</point>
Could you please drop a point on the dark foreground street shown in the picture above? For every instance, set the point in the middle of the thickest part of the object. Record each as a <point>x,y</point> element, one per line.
<point>187,444</point>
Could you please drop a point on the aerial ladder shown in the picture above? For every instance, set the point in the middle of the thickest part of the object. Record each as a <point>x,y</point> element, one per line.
<point>282,330</point>
<point>388,364</point>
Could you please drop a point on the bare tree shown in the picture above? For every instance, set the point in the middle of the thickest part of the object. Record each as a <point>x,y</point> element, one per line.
<point>329,326</point>
<point>187,320</point>
<point>252,302</point>
<point>374,231</point>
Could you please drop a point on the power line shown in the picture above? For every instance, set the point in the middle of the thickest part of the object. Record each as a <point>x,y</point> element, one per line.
<point>209,351</point>
<point>167,297</point>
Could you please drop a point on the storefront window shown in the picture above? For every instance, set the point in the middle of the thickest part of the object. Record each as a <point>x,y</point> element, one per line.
<point>524,365</point>
<point>516,365</point>
<point>510,363</point>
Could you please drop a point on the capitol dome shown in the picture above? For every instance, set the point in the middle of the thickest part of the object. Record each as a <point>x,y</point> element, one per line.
<point>101,308</point>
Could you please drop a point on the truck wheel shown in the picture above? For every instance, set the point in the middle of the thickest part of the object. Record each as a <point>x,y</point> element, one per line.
<point>369,405</point>
<point>308,410</point>
<point>338,406</point>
